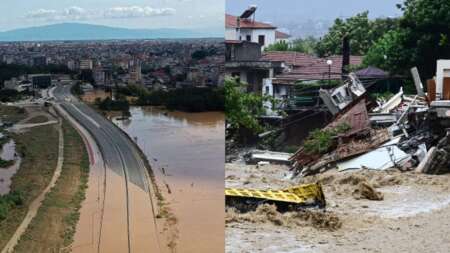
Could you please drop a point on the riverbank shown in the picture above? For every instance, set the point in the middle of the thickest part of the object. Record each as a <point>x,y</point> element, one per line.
<point>38,148</point>
<point>55,223</point>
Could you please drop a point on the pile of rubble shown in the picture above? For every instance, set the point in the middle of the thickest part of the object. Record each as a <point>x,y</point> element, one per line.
<point>404,132</point>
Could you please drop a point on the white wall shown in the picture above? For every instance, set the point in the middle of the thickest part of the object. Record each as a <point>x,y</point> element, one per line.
<point>230,34</point>
<point>267,90</point>
<point>269,35</point>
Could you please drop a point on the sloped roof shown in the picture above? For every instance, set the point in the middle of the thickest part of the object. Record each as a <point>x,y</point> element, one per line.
<point>281,35</point>
<point>231,22</point>
<point>309,67</point>
<point>371,72</point>
<point>290,58</point>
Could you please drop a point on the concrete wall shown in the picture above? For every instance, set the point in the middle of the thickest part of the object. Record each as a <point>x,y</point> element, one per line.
<point>269,35</point>
<point>230,34</point>
<point>267,90</point>
<point>244,51</point>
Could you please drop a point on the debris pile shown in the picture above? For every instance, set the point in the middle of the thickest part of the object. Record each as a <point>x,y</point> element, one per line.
<point>399,133</point>
<point>402,132</point>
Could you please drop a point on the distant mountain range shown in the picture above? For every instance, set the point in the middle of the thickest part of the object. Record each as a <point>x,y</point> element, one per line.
<point>78,31</point>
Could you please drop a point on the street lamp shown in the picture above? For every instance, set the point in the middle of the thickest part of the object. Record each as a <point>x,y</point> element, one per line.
<point>329,62</point>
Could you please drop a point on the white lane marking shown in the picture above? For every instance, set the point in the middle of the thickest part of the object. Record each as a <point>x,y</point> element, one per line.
<point>86,116</point>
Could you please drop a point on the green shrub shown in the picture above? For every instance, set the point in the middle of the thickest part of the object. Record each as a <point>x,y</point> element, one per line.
<point>320,141</point>
<point>9,201</point>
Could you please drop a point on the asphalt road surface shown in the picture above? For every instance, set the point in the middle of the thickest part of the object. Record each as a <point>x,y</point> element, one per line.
<point>127,222</point>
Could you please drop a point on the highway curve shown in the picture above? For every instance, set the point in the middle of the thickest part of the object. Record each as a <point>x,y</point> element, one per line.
<point>125,221</point>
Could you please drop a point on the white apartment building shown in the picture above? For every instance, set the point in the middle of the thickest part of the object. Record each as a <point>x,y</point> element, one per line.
<point>86,64</point>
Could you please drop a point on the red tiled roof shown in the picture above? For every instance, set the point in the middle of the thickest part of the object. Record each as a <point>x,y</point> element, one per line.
<point>290,58</point>
<point>281,35</point>
<point>231,22</point>
<point>309,67</point>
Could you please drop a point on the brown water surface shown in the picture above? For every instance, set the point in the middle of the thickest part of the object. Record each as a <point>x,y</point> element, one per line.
<point>186,151</point>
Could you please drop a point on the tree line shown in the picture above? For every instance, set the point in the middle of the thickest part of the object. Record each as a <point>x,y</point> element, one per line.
<point>190,99</point>
<point>418,37</point>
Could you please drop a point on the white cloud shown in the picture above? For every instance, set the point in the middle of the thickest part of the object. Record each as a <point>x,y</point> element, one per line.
<point>70,13</point>
<point>74,11</point>
<point>137,12</point>
<point>41,13</point>
<point>78,13</point>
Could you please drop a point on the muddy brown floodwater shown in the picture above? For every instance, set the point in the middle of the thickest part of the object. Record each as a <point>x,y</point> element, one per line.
<point>186,152</point>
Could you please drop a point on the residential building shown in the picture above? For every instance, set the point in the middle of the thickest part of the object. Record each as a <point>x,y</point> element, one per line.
<point>86,64</point>
<point>282,37</point>
<point>245,27</point>
<point>72,65</point>
<point>243,60</point>
<point>135,71</point>
<point>40,81</point>
<point>40,61</point>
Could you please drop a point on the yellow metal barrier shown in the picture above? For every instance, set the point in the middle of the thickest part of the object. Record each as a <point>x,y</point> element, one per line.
<point>302,194</point>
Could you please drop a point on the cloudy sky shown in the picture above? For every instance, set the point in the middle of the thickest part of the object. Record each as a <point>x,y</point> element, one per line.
<point>189,14</point>
<point>284,10</point>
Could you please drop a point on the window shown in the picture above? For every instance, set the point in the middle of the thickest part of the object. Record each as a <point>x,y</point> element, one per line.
<point>248,38</point>
<point>267,89</point>
<point>277,90</point>
<point>261,40</point>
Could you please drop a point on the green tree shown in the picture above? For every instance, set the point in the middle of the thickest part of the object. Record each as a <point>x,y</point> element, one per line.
<point>279,46</point>
<point>421,38</point>
<point>241,108</point>
<point>306,45</point>
<point>361,31</point>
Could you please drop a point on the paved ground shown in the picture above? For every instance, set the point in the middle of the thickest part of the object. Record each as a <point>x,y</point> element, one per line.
<point>126,219</point>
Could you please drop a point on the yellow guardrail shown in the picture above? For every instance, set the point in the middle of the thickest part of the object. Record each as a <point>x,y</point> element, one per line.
<point>302,194</point>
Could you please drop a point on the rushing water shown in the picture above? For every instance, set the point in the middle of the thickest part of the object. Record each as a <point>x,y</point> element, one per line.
<point>186,151</point>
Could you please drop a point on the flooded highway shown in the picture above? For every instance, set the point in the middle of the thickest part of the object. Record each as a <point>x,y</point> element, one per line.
<point>118,214</point>
<point>186,152</point>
